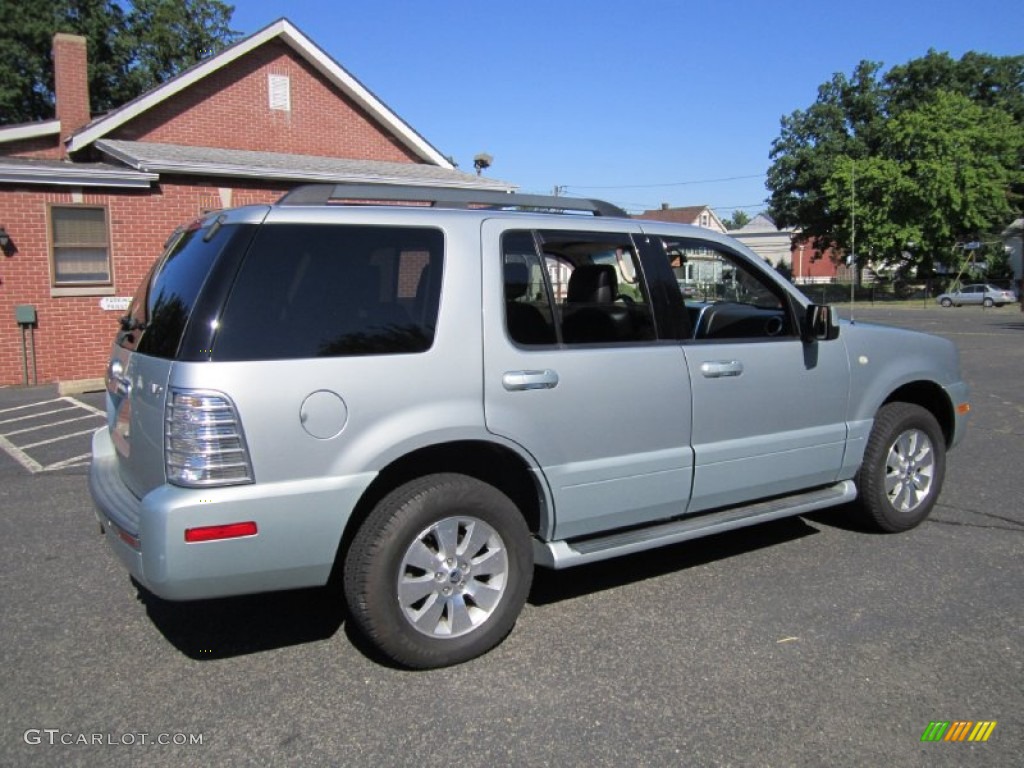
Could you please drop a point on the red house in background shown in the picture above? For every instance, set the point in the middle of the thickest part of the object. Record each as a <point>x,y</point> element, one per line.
<point>86,204</point>
<point>811,264</point>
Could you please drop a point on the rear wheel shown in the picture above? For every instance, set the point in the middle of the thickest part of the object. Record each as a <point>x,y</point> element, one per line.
<point>904,466</point>
<point>439,571</point>
<point>987,302</point>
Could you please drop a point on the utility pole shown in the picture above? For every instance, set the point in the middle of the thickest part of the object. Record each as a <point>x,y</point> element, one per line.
<point>853,233</point>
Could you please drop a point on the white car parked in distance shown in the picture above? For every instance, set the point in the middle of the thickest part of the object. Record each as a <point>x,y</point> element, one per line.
<point>982,293</point>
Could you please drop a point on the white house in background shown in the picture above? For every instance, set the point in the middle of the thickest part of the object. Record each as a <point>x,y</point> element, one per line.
<point>1013,240</point>
<point>772,244</point>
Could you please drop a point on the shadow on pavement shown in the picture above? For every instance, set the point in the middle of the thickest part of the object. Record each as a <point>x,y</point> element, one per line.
<point>236,626</point>
<point>553,586</point>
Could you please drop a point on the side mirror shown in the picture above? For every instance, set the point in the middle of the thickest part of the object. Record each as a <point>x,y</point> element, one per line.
<point>821,323</point>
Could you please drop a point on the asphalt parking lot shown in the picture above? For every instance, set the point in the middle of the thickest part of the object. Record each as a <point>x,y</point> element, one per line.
<point>806,642</point>
<point>44,431</point>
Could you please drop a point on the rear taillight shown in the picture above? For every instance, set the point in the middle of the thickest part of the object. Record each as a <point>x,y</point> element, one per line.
<point>203,441</point>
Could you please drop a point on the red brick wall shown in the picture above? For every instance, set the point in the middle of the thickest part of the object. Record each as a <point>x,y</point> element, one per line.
<point>230,109</point>
<point>73,336</point>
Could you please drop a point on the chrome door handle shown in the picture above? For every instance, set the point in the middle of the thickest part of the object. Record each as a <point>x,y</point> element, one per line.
<point>517,381</point>
<point>717,369</point>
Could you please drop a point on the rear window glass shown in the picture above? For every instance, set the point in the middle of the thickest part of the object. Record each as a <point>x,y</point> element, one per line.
<point>163,304</point>
<point>330,290</point>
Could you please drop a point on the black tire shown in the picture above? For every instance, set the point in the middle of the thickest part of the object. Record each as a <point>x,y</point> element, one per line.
<point>468,603</point>
<point>946,302</point>
<point>904,466</point>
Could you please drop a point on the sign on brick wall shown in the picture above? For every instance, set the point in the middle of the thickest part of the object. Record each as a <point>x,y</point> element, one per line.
<point>115,303</point>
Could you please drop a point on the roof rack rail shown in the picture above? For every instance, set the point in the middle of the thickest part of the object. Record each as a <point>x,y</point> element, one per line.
<point>443,197</point>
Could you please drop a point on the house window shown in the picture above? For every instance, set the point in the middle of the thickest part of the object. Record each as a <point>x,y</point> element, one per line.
<point>280,92</point>
<point>80,239</point>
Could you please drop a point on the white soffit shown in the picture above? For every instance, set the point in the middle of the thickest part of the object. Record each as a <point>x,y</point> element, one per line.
<point>29,131</point>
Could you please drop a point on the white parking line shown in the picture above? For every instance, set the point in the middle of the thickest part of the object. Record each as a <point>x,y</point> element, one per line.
<point>30,405</point>
<point>20,456</point>
<point>51,424</point>
<point>60,405</point>
<point>36,415</point>
<point>58,439</point>
<point>80,404</point>
<point>74,461</point>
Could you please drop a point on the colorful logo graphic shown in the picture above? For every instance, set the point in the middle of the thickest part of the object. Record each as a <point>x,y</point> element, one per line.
<point>958,730</point>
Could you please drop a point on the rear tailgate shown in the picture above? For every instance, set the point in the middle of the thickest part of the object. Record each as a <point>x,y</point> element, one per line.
<point>172,317</point>
<point>137,389</point>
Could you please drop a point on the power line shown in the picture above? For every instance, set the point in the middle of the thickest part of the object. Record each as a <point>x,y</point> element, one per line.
<point>668,184</point>
<point>635,206</point>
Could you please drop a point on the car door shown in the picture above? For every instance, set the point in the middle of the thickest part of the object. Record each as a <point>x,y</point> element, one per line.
<point>768,409</point>
<point>575,376</point>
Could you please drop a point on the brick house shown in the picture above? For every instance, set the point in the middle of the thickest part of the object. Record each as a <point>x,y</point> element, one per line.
<point>86,204</point>
<point>812,264</point>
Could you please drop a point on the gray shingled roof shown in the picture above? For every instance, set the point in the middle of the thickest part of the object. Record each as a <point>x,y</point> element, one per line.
<point>32,170</point>
<point>211,161</point>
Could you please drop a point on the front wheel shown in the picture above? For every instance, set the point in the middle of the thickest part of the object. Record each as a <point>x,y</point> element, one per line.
<point>439,571</point>
<point>904,466</point>
<point>946,302</point>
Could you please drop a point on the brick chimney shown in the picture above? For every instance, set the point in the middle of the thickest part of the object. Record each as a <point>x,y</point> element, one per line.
<point>71,83</point>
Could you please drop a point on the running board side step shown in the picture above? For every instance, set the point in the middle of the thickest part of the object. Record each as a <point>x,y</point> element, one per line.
<point>565,554</point>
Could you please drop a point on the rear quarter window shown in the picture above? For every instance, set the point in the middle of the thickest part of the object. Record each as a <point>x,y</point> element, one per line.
<point>164,303</point>
<point>329,290</point>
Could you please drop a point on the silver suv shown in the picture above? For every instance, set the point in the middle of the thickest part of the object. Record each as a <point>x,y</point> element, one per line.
<point>428,392</point>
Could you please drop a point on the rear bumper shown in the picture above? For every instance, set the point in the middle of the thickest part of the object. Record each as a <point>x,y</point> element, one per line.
<point>299,526</point>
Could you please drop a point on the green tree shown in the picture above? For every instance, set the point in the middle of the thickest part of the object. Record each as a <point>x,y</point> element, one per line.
<point>738,220</point>
<point>132,47</point>
<point>924,157</point>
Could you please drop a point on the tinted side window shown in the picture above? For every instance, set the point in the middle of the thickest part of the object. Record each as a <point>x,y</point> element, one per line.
<point>328,290</point>
<point>528,311</point>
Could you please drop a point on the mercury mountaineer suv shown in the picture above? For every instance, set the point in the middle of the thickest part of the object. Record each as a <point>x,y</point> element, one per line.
<point>429,392</point>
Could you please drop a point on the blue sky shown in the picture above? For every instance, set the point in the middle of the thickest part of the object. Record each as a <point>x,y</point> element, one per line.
<point>638,102</point>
